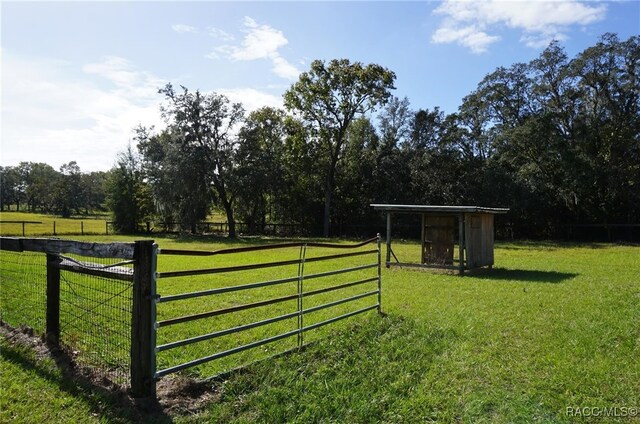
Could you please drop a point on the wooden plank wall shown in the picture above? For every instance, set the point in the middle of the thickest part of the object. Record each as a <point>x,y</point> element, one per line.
<point>479,239</point>
<point>438,239</point>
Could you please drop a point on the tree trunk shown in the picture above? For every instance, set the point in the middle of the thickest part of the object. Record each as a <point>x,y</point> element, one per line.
<point>227,204</point>
<point>228,209</point>
<point>327,209</point>
<point>328,198</point>
<point>230,219</point>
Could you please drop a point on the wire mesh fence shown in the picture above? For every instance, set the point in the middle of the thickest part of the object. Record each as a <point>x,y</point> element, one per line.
<point>98,301</point>
<point>82,303</point>
<point>95,318</point>
<point>23,289</point>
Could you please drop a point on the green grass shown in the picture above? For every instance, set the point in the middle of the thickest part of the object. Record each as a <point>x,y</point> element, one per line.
<point>553,326</point>
<point>92,224</point>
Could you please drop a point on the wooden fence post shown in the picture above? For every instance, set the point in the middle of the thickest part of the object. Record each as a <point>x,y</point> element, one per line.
<point>53,299</point>
<point>143,366</point>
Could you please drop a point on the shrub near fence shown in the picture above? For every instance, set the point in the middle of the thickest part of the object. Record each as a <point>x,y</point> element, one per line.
<point>101,300</point>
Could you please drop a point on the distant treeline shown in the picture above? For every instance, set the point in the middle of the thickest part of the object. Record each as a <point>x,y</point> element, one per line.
<point>557,140</point>
<point>38,187</point>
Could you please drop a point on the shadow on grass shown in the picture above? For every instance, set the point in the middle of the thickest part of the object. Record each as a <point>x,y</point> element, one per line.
<point>348,377</point>
<point>549,245</point>
<point>113,405</point>
<point>524,275</point>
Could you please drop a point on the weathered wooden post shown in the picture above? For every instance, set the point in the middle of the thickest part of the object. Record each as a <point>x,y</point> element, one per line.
<point>53,299</point>
<point>461,243</point>
<point>388,261</point>
<point>379,275</point>
<point>143,318</point>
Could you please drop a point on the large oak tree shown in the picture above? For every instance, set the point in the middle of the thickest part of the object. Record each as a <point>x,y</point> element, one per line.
<point>328,98</point>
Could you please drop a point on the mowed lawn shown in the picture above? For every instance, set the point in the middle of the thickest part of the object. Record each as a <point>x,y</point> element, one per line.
<point>38,224</point>
<point>553,328</point>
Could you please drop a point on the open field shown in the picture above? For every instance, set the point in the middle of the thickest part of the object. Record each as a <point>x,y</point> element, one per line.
<point>45,224</point>
<point>553,326</point>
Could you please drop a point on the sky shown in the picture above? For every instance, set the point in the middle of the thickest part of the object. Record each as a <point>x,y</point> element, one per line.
<point>77,77</point>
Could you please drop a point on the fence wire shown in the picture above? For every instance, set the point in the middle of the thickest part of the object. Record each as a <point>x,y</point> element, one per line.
<point>95,318</point>
<point>95,311</point>
<point>23,289</point>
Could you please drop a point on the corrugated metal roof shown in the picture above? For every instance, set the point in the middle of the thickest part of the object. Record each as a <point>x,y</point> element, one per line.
<point>437,209</point>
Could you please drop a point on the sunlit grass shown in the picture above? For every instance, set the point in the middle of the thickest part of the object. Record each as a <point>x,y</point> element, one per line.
<point>45,224</point>
<point>552,326</point>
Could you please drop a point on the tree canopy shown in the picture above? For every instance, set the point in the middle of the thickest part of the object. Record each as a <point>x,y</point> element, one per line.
<point>556,139</point>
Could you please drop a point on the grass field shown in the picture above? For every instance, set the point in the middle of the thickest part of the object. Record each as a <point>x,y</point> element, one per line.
<point>38,224</point>
<point>93,224</point>
<point>554,326</point>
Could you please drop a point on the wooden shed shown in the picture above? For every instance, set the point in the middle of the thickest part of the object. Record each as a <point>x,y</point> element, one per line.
<point>475,235</point>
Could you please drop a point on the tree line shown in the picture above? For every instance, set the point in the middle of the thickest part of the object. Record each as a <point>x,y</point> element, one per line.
<point>38,187</point>
<point>556,139</point>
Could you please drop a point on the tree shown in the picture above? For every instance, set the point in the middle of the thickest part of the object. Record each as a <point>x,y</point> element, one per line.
<point>68,192</point>
<point>128,197</point>
<point>328,98</point>
<point>259,164</point>
<point>193,158</point>
<point>9,187</point>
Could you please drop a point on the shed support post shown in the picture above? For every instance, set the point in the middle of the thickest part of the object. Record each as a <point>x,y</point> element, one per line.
<point>388,261</point>
<point>461,242</point>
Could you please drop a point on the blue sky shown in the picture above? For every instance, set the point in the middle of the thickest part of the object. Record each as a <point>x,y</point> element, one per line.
<point>78,76</point>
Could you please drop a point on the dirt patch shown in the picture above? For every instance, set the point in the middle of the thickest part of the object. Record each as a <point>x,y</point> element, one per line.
<point>176,395</point>
<point>183,395</point>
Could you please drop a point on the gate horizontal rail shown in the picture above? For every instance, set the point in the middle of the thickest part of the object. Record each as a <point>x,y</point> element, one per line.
<point>300,311</point>
<point>260,284</point>
<point>232,250</point>
<point>250,267</point>
<point>259,343</point>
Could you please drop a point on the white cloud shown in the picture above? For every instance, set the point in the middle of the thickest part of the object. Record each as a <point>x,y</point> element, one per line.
<point>220,34</point>
<point>251,99</point>
<point>470,36</point>
<point>182,28</point>
<point>284,69</point>
<point>468,22</point>
<point>54,112</point>
<point>259,42</point>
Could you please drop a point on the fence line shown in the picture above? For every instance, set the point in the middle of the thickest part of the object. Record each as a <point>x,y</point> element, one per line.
<point>82,290</point>
<point>101,299</point>
<point>301,294</point>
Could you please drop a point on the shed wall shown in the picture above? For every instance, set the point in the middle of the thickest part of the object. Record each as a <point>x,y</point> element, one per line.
<point>479,239</point>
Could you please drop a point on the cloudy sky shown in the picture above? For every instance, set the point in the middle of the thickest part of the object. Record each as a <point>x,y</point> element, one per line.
<point>78,76</point>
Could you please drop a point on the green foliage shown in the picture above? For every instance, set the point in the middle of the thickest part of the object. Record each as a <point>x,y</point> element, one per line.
<point>328,98</point>
<point>129,197</point>
<point>190,164</point>
<point>38,187</point>
<point>557,140</point>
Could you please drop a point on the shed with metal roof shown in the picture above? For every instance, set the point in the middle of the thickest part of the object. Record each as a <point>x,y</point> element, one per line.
<point>475,235</point>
